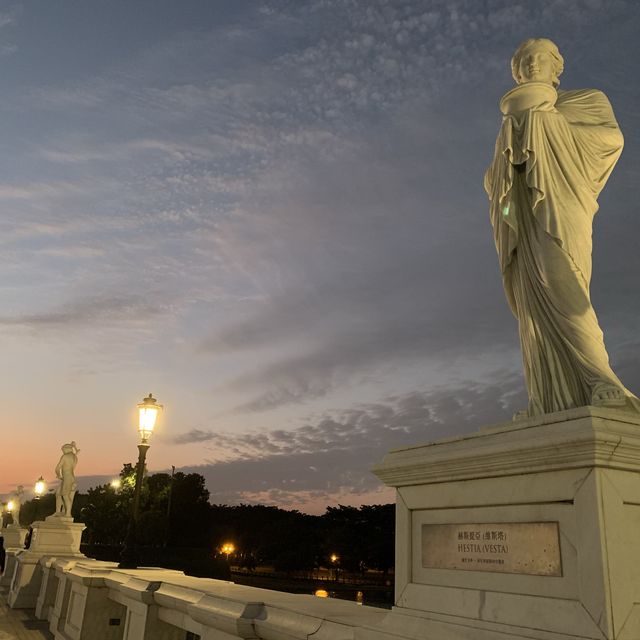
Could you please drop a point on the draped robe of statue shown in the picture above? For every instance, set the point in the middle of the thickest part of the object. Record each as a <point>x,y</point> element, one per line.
<point>548,168</point>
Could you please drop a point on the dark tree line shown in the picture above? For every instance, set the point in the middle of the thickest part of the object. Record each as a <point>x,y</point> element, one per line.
<point>175,513</point>
<point>361,538</point>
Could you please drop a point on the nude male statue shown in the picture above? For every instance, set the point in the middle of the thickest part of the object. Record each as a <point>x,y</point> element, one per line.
<point>67,487</point>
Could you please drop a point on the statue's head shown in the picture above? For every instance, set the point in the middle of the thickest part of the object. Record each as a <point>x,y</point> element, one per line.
<point>69,448</point>
<point>537,60</point>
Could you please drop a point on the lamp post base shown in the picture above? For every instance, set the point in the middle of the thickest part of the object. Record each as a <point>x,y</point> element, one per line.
<point>130,556</point>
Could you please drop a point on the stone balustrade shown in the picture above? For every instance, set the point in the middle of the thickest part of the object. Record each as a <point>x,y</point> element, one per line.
<point>85,599</point>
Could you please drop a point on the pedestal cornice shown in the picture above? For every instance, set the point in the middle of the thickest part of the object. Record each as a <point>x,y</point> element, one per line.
<point>584,437</point>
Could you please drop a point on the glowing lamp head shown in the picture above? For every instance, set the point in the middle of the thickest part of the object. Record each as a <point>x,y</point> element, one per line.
<point>10,506</point>
<point>116,483</point>
<point>334,558</point>
<point>228,548</point>
<point>40,487</point>
<point>148,411</point>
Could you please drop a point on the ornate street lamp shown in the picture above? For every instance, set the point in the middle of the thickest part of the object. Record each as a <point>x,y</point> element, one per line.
<point>148,411</point>
<point>39,489</point>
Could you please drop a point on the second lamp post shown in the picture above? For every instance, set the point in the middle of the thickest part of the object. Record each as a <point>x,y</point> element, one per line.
<point>148,411</point>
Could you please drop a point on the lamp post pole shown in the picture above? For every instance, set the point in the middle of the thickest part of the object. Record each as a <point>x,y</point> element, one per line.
<point>335,562</point>
<point>148,413</point>
<point>173,474</point>
<point>129,556</point>
<point>39,490</point>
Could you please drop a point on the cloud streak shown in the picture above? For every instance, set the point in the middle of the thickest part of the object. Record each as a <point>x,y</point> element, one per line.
<point>97,311</point>
<point>397,421</point>
<point>333,454</point>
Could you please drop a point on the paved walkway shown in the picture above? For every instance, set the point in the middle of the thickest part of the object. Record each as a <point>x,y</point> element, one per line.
<point>20,624</point>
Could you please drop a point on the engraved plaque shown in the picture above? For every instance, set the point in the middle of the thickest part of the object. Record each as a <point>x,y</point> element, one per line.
<point>531,548</point>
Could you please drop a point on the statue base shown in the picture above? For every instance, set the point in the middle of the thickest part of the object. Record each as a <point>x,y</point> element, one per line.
<point>13,538</point>
<point>525,530</point>
<point>57,536</point>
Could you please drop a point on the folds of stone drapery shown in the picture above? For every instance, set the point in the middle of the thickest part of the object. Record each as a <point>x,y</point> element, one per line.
<point>548,169</point>
<point>563,351</point>
<point>568,153</point>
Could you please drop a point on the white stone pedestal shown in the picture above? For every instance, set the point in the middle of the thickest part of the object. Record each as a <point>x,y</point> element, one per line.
<point>13,541</point>
<point>539,522</point>
<point>14,536</point>
<point>55,536</point>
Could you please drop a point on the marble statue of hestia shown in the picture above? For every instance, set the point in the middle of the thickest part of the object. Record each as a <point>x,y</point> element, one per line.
<point>65,473</point>
<point>554,153</point>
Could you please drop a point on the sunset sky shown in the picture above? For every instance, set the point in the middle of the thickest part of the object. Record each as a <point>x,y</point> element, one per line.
<point>270,214</point>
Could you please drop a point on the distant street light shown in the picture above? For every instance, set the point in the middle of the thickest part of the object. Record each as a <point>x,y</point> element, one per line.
<point>228,548</point>
<point>9,507</point>
<point>116,483</point>
<point>148,411</point>
<point>335,561</point>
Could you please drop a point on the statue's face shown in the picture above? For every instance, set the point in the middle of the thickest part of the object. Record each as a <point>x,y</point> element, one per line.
<point>536,65</point>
